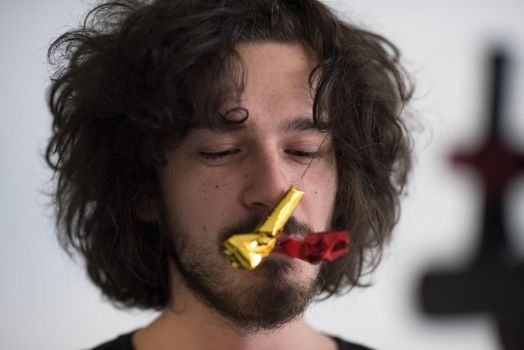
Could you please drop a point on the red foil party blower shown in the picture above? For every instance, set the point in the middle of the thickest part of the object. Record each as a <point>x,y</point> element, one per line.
<point>318,246</point>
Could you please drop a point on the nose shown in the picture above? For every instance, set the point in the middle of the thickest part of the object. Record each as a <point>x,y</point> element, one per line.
<point>266,182</point>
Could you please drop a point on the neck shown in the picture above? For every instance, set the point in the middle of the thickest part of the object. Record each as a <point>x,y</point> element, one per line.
<point>191,324</point>
<point>172,331</point>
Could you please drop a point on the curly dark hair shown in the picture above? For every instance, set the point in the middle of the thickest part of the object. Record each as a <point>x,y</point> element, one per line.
<point>127,80</point>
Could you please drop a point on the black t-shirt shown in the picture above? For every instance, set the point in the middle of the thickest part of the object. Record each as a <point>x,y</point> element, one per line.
<point>124,342</point>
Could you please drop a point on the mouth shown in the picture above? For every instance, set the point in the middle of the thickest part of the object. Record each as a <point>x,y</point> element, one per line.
<point>285,237</point>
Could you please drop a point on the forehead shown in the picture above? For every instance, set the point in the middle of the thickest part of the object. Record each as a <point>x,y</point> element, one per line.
<point>263,83</point>
<point>271,67</point>
<point>276,82</point>
<point>287,60</point>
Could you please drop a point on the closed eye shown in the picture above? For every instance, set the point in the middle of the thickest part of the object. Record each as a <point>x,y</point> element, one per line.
<point>304,154</point>
<point>218,155</point>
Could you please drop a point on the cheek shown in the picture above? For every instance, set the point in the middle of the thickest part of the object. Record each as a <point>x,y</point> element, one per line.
<point>321,189</point>
<point>182,196</point>
<point>198,204</point>
<point>324,200</point>
<point>321,179</point>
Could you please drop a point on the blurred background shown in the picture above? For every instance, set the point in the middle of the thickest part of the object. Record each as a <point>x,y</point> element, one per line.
<point>46,300</point>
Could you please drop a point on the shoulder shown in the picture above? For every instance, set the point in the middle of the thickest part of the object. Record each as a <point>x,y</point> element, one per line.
<point>345,345</point>
<point>122,342</point>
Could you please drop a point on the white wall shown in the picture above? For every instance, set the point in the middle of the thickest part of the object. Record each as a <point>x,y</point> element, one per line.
<point>45,299</point>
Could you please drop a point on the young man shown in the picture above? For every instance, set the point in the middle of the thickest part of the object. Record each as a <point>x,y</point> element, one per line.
<point>178,124</point>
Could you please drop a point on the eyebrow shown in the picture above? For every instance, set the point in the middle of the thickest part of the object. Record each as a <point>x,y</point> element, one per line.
<point>302,123</point>
<point>296,124</point>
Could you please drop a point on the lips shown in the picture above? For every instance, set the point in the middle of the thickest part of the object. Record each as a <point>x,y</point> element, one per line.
<point>283,237</point>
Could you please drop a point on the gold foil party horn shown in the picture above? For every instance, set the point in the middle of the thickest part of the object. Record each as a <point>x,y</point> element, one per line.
<point>247,250</point>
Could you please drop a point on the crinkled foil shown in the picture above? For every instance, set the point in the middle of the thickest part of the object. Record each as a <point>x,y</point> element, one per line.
<point>318,246</point>
<point>247,250</point>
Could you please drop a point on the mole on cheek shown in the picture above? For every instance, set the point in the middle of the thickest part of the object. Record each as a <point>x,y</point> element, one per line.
<point>247,175</point>
<point>204,228</point>
<point>216,186</point>
<point>315,192</point>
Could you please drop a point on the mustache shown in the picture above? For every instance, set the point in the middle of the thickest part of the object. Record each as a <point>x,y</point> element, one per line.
<point>292,227</point>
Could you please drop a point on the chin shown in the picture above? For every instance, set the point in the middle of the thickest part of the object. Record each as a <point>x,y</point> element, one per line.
<point>281,267</point>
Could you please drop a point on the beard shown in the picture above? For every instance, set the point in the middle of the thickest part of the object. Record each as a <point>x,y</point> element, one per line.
<point>265,298</point>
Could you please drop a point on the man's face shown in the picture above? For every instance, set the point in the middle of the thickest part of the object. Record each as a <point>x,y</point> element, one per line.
<point>219,181</point>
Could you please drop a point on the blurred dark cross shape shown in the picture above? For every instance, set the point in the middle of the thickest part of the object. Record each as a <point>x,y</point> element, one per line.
<point>493,282</point>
